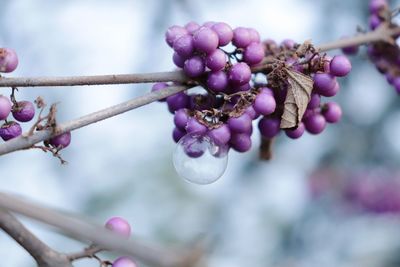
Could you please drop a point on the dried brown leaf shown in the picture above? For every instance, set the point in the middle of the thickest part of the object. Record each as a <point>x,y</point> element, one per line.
<point>297,98</point>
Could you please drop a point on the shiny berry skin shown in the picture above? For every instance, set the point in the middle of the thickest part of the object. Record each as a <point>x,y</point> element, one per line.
<point>332,112</point>
<point>240,74</point>
<point>124,262</point>
<point>241,142</point>
<point>10,130</point>
<point>173,33</point>
<point>205,40</point>
<point>296,132</point>
<point>194,67</point>
<point>315,123</point>
<point>61,141</point>
<point>220,135</point>
<point>24,111</point>
<point>119,226</point>
<point>5,107</point>
<point>224,32</point>
<point>340,66</point>
<point>269,127</point>
<point>8,60</point>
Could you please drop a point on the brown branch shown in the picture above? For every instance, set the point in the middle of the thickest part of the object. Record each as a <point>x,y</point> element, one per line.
<point>26,141</point>
<point>381,34</point>
<point>43,254</point>
<point>88,252</point>
<point>80,229</point>
<point>172,76</point>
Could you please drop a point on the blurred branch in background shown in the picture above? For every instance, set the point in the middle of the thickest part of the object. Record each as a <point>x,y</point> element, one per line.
<point>80,229</point>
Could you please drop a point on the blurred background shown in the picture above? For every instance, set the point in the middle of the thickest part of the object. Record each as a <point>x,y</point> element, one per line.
<point>326,200</point>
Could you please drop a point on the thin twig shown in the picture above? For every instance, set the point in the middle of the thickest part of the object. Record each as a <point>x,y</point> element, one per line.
<point>171,76</point>
<point>80,229</point>
<point>88,252</point>
<point>43,254</point>
<point>26,141</point>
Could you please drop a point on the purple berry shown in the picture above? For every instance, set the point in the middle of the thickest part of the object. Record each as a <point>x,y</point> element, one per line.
<point>24,111</point>
<point>332,112</point>
<point>192,147</point>
<point>254,53</point>
<point>224,32</point>
<point>205,40</point>
<point>61,141</point>
<point>5,107</point>
<point>241,142</point>
<point>157,87</point>
<point>315,123</point>
<point>374,22</point>
<point>177,134</point>
<point>240,74</point>
<point>315,101</point>
<point>124,262</point>
<point>241,124</point>
<point>269,127</point>
<point>264,104</point>
<point>220,135</point>
<point>178,60</point>
<point>181,118</point>
<point>324,82</point>
<point>8,60</point>
<point>183,46</point>
<point>177,101</point>
<point>119,226</point>
<point>216,60</point>
<point>217,81</point>
<point>10,130</point>
<point>332,92</point>
<point>173,33</point>
<point>192,26</point>
<point>251,112</point>
<point>340,66</point>
<point>193,126</point>
<point>194,67</point>
<point>266,90</point>
<point>241,37</point>
<point>396,84</point>
<point>209,24</point>
<point>288,44</point>
<point>297,132</point>
<point>254,35</point>
<point>375,6</point>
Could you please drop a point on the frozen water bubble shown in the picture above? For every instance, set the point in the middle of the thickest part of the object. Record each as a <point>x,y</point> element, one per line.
<point>198,160</point>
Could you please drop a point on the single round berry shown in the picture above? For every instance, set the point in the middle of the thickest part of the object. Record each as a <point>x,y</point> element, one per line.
<point>119,226</point>
<point>241,124</point>
<point>124,262</point>
<point>340,66</point>
<point>324,82</point>
<point>192,26</point>
<point>177,101</point>
<point>296,132</point>
<point>10,130</point>
<point>315,123</point>
<point>193,126</point>
<point>254,53</point>
<point>183,46</point>
<point>24,111</point>
<point>252,112</point>
<point>254,35</point>
<point>241,37</point>
<point>194,67</point>
<point>173,33</point>
<point>178,60</point>
<point>241,142</point>
<point>220,135</point>
<point>240,74</point>
<point>333,91</point>
<point>217,81</point>
<point>177,134</point>
<point>315,101</point>
<point>216,60</point>
<point>205,40</point>
<point>61,141</point>
<point>224,32</point>
<point>8,60</point>
<point>269,127</point>
<point>332,112</point>
<point>375,6</point>
<point>181,118</point>
<point>288,44</point>
<point>5,107</point>
<point>264,104</point>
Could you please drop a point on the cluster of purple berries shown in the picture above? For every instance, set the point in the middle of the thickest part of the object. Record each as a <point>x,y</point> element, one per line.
<point>233,98</point>
<point>22,111</point>
<point>121,227</point>
<point>385,56</point>
<point>322,69</point>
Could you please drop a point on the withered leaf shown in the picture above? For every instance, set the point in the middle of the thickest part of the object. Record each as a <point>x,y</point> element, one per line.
<point>297,98</point>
